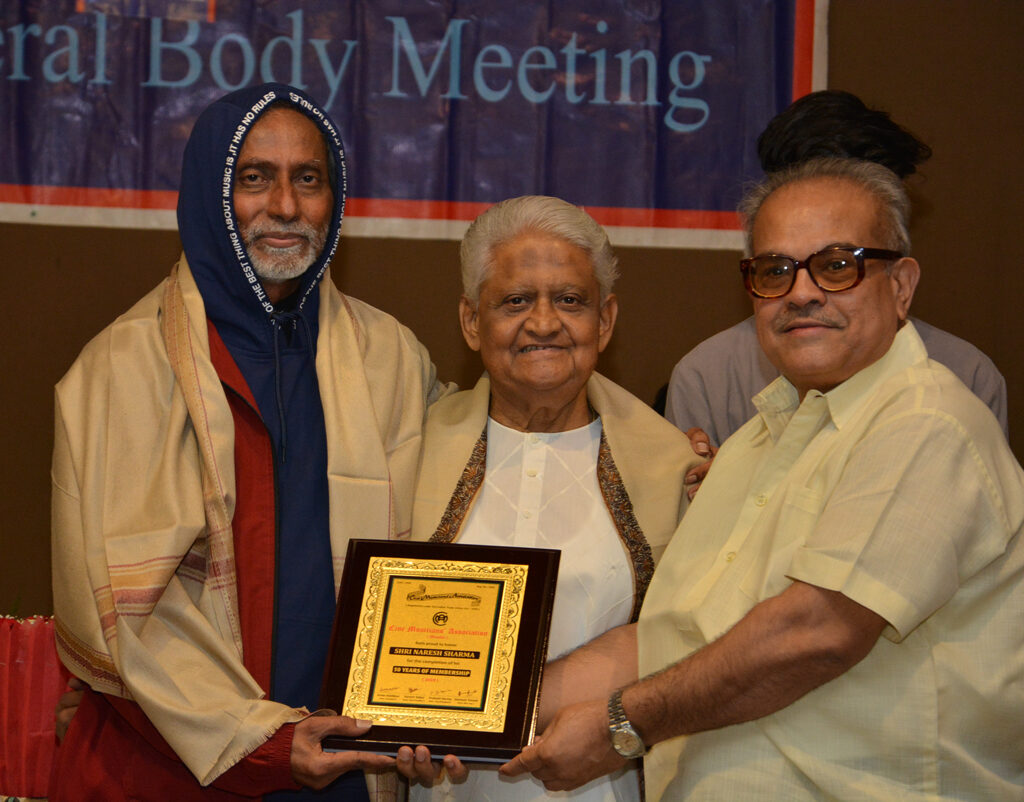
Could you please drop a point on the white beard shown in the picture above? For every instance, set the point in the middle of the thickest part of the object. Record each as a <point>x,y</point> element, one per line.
<point>283,264</point>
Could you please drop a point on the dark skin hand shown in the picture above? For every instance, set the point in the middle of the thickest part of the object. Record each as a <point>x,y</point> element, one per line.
<point>701,445</point>
<point>415,764</point>
<point>315,768</point>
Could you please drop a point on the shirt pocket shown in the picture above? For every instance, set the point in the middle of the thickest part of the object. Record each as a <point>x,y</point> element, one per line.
<point>784,527</point>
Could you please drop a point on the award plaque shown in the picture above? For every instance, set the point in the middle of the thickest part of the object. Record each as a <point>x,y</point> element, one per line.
<point>441,645</point>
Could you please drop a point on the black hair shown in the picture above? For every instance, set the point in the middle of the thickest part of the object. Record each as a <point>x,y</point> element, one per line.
<point>837,123</point>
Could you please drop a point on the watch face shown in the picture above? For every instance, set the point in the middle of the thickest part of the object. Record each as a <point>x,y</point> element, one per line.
<point>627,743</point>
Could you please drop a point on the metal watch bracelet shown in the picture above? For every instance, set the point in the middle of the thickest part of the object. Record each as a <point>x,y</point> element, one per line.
<point>625,739</point>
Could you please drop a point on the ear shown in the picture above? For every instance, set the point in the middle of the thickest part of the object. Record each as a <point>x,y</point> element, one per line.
<point>904,277</point>
<point>608,316</point>
<point>470,322</point>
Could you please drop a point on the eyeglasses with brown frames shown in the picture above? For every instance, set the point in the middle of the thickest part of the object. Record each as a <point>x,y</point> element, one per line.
<point>832,269</point>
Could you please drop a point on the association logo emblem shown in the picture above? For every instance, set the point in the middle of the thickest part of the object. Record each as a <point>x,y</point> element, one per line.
<point>441,618</point>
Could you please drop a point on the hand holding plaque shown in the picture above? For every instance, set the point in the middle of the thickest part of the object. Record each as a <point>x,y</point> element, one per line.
<point>441,645</point>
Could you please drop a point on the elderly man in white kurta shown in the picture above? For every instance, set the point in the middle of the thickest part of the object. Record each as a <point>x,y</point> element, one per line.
<point>544,452</point>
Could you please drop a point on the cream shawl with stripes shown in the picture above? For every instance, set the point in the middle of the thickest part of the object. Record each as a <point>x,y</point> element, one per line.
<point>143,497</point>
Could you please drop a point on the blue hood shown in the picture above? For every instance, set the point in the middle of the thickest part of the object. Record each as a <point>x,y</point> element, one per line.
<point>206,209</point>
<point>274,347</point>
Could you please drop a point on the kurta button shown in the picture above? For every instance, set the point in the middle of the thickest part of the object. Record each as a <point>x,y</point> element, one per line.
<point>730,556</point>
<point>534,439</point>
<point>531,472</point>
<point>527,514</point>
<point>761,500</point>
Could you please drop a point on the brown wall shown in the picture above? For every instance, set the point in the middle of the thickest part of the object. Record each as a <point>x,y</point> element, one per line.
<point>946,69</point>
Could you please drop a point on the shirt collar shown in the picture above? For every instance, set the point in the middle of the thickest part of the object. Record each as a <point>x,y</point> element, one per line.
<point>779,400</point>
<point>776,404</point>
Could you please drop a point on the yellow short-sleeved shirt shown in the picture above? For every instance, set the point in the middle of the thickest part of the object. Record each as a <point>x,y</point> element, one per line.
<point>896,488</point>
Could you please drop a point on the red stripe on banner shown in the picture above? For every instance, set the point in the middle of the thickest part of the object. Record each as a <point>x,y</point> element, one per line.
<point>85,196</point>
<point>414,209</point>
<point>365,207</point>
<point>605,215</point>
<point>803,48</point>
<point>664,218</point>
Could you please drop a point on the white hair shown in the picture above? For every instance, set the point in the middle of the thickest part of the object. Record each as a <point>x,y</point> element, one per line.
<point>539,214</point>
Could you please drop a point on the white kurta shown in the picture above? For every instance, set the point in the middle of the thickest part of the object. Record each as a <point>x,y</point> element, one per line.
<point>540,491</point>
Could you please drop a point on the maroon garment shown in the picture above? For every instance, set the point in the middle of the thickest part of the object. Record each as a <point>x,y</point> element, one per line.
<point>111,751</point>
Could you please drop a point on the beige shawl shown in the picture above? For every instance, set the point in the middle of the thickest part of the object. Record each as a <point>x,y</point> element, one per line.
<point>640,470</point>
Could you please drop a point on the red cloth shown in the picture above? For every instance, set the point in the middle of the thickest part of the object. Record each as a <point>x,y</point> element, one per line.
<point>31,680</point>
<point>111,751</point>
<point>255,517</point>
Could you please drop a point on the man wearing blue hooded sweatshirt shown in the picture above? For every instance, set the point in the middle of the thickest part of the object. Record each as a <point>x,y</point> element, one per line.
<point>215,449</point>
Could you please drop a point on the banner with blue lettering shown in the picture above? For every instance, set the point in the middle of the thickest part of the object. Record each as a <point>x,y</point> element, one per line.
<point>644,112</point>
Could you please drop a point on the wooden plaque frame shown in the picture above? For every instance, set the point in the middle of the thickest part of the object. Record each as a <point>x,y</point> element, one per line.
<point>497,725</point>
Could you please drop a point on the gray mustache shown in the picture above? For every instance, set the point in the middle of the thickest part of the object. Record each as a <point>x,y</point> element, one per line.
<point>787,319</point>
<point>256,230</point>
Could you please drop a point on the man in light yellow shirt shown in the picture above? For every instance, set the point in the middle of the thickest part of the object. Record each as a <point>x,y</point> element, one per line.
<point>841,613</point>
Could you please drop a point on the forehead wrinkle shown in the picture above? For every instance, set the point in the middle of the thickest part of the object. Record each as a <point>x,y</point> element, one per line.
<point>256,161</point>
<point>839,244</point>
<point>537,245</point>
<point>298,126</point>
<point>792,214</point>
<point>528,287</point>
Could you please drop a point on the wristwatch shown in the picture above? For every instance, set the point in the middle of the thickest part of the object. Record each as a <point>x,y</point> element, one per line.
<point>625,739</point>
